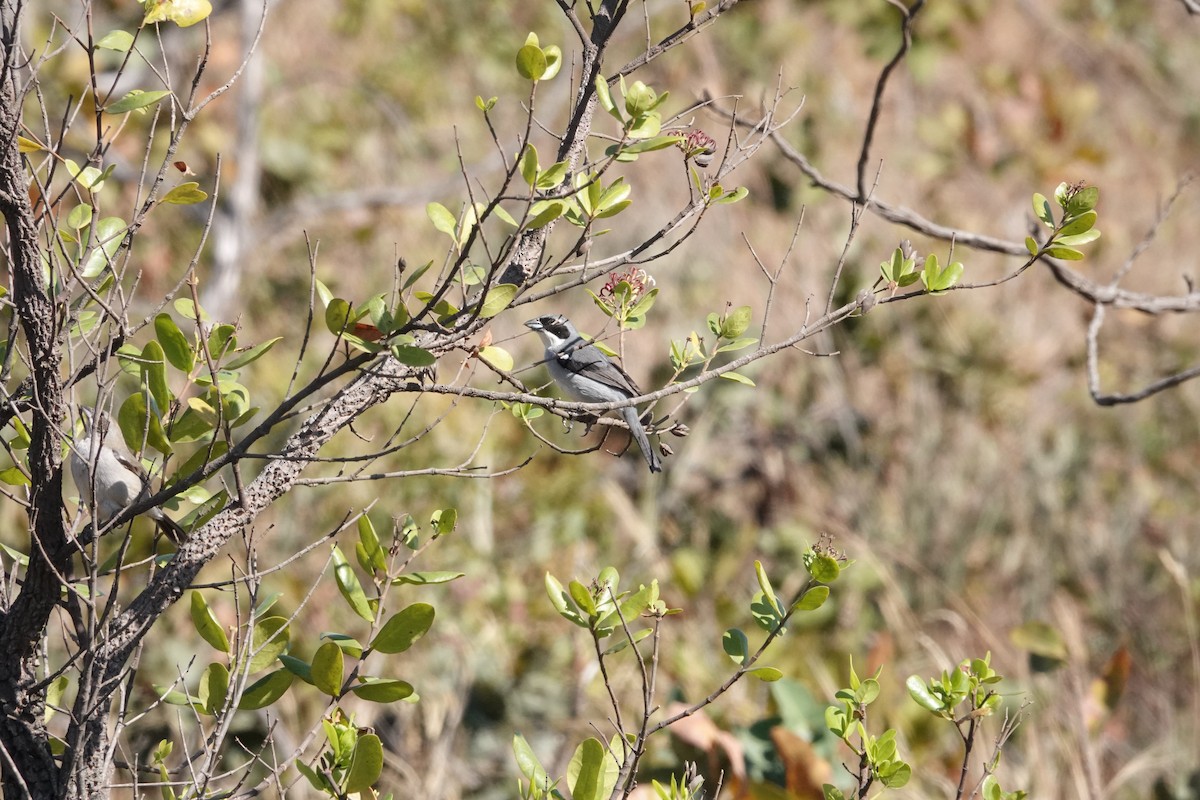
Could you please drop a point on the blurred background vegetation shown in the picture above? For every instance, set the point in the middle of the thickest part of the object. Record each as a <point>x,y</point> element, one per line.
<point>950,447</point>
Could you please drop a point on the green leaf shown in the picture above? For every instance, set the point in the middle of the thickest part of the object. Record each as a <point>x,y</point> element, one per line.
<point>1083,200</point>
<point>592,772</point>
<point>268,642</point>
<point>404,628</point>
<point>154,374</point>
<point>604,96</point>
<point>337,315</point>
<point>813,599</point>
<point>554,175</point>
<point>736,322</point>
<point>766,674</point>
<point>349,586</point>
<point>1080,238</point>
<point>497,300</point>
<point>54,694</point>
<point>186,194</point>
<point>553,54</point>
<point>13,476</point>
<point>252,354</point>
<point>80,216</point>
<point>176,347</point>
<point>266,690</point>
<point>736,645</point>
<point>737,377</point>
<point>823,568</point>
<point>896,777</point>
<point>190,311</point>
<point>441,218</point>
<point>380,690</point>
<point>562,601</point>
<point>544,212</point>
<point>213,688</point>
<point>328,665</point>
<point>206,624</point>
<point>732,196</point>
<point>137,421</point>
<point>109,234</point>
<point>920,693</point>
<point>366,765</point>
<point>651,144</point>
<point>1042,209</point>
<point>134,100</point>
<point>444,520</point>
<point>531,62</point>
<point>1031,245</point>
<point>90,178</point>
<point>764,583</point>
<point>582,598</point>
<point>529,164</point>
<point>182,12</point>
<point>413,356</point>
<point>529,765</point>
<point>1065,253</point>
<point>831,792</point>
<point>297,667</point>
<point>371,555</point>
<point>485,106</point>
<point>117,40</point>
<point>765,615</point>
<point>1080,224</point>
<point>427,578</point>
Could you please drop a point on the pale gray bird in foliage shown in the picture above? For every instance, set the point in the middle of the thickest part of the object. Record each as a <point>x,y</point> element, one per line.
<point>587,375</point>
<point>104,469</point>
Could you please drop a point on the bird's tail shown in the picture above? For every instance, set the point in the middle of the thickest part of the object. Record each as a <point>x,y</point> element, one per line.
<point>630,415</point>
<point>171,528</point>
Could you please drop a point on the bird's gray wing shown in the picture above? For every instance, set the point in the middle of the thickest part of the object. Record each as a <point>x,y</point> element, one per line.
<point>587,361</point>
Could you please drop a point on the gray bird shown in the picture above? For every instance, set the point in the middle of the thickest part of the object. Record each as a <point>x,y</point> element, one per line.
<point>586,374</point>
<point>111,474</point>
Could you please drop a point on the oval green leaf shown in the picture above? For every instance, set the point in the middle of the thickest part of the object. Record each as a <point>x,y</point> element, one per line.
<point>349,586</point>
<point>328,665</point>
<point>175,345</point>
<point>497,300</point>
<point>404,628</point>
<point>206,624</point>
<point>531,62</point>
<point>366,765</point>
<point>266,690</point>
<point>379,690</point>
<point>813,599</point>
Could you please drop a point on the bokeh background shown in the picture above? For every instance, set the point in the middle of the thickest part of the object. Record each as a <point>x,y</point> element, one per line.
<point>950,447</point>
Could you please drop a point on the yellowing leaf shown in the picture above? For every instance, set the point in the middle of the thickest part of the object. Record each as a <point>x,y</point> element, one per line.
<point>182,12</point>
<point>185,194</point>
<point>498,357</point>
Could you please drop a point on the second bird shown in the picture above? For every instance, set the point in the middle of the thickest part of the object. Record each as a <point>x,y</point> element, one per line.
<point>587,375</point>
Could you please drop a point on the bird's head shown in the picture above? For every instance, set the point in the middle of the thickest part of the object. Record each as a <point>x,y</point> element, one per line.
<point>553,328</point>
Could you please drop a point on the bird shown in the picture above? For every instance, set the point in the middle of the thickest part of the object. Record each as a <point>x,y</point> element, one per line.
<point>112,475</point>
<point>587,375</point>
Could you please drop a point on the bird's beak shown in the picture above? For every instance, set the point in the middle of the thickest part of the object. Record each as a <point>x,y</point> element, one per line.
<point>534,324</point>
